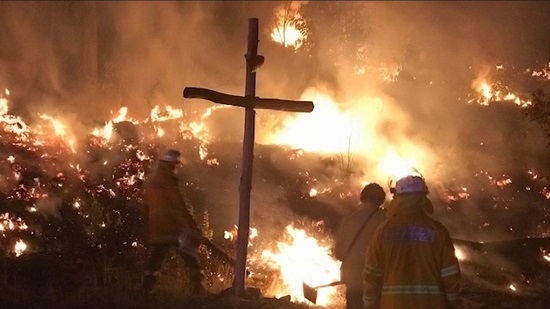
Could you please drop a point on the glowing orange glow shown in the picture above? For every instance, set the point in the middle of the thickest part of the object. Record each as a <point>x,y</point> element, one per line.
<point>396,166</point>
<point>303,259</point>
<point>325,130</point>
<point>285,31</point>
<point>353,133</point>
<point>288,36</point>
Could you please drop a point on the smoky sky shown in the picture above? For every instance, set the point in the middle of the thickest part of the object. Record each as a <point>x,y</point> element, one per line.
<point>86,58</point>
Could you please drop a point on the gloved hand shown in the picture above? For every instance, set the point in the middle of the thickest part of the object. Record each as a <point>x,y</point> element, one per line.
<point>190,240</point>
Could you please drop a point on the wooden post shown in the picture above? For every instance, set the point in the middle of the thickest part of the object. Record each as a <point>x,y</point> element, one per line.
<point>248,157</point>
<point>249,101</point>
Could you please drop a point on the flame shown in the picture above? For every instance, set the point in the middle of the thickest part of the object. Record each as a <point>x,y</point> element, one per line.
<point>460,254</point>
<point>160,131</point>
<point>11,123</point>
<point>325,130</point>
<point>60,130</point>
<point>352,133</point>
<point>169,113</point>
<point>20,247</point>
<point>286,31</point>
<point>104,133</point>
<point>493,94</point>
<point>301,260</point>
<point>396,166</point>
<point>544,73</point>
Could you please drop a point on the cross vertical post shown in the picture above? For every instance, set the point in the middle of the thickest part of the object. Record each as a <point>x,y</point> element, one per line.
<point>250,102</point>
<point>247,160</point>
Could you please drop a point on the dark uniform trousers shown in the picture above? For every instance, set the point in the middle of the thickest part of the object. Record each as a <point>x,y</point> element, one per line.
<point>157,254</point>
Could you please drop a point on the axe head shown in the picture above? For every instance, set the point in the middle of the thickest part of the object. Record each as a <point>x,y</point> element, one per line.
<point>310,293</point>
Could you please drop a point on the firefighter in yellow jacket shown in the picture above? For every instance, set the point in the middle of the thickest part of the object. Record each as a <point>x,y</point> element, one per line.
<point>411,262</point>
<point>353,238</point>
<point>170,224</point>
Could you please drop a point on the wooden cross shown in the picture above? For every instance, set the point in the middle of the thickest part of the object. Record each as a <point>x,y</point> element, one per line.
<point>250,101</point>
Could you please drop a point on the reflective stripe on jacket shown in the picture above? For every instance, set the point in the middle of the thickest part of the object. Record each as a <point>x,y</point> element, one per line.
<point>411,262</point>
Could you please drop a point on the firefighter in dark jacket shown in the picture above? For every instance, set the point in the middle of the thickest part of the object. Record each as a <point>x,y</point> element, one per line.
<point>170,224</point>
<point>411,262</point>
<point>352,239</point>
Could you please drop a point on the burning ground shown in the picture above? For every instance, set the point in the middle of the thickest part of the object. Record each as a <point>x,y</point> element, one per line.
<point>77,144</point>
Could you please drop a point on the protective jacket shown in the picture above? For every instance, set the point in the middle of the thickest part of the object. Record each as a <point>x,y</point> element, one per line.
<point>411,262</point>
<point>351,225</point>
<point>167,212</point>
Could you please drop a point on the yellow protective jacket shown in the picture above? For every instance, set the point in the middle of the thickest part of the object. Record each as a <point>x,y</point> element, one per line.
<point>411,262</point>
<point>354,261</point>
<point>167,213</point>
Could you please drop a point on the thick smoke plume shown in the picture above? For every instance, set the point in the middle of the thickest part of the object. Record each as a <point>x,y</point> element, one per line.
<point>87,58</point>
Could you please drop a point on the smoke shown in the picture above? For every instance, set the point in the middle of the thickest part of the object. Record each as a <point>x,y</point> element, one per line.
<point>408,88</point>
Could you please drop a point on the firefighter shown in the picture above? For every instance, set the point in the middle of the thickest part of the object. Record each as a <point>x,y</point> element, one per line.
<point>411,262</point>
<point>170,224</point>
<point>353,238</point>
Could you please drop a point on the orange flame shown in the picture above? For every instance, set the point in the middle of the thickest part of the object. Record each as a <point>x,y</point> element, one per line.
<point>303,259</point>
<point>490,94</point>
<point>286,31</point>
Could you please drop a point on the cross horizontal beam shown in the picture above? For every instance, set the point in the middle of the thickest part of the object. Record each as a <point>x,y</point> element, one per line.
<point>248,101</point>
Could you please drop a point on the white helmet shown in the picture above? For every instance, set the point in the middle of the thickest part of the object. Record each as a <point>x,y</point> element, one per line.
<point>410,184</point>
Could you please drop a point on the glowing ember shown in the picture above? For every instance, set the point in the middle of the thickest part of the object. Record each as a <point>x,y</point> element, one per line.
<point>313,192</point>
<point>160,131</point>
<point>303,259</point>
<point>20,247</point>
<point>503,182</point>
<point>544,73</point>
<point>545,192</point>
<point>457,194</point>
<point>11,223</point>
<point>232,235</point>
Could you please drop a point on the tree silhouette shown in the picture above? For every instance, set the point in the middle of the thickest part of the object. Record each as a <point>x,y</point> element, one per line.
<point>539,111</point>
